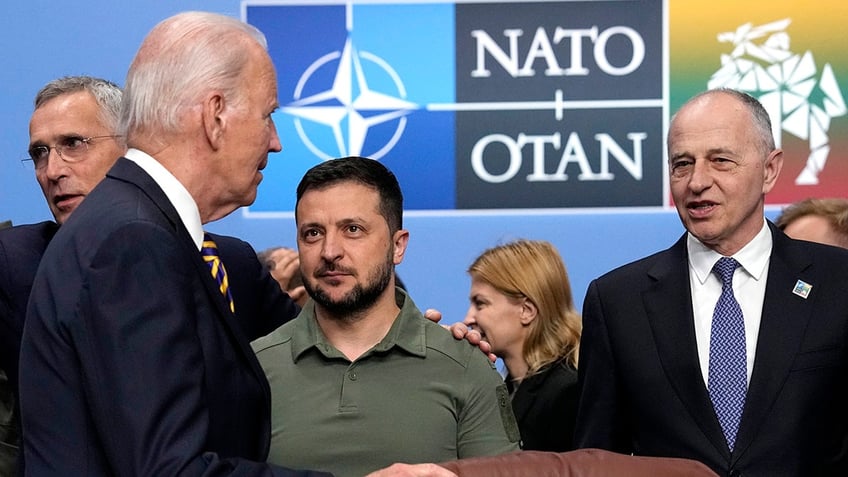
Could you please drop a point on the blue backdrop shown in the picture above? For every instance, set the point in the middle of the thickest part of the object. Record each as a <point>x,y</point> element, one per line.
<point>41,40</point>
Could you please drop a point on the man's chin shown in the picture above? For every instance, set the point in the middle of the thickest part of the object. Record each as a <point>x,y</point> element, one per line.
<point>250,197</point>
<point>341,305</point>
<point>334,302</point>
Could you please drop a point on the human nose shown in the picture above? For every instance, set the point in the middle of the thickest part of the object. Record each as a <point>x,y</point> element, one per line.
<point>701,177</point>
<point>274,145</point>
<point>57,167</point>
<point>331,247</point>
<point>469,317</point>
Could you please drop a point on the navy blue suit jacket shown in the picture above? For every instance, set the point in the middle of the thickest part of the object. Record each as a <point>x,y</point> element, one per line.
<point>21,249</point>
<point>642,390</point>
<point>134,363</point>
<point>262,305</point>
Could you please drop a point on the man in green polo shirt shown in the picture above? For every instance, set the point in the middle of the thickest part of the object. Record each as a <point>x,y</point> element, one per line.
<point>361,379</point>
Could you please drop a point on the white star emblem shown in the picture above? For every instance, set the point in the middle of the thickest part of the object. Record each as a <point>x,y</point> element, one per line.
<point>341,102</point>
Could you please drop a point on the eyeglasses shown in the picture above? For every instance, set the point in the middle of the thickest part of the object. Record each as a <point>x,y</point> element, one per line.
<point>69,148</point>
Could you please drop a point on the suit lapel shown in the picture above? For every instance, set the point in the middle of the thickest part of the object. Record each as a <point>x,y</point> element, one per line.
<point>127,171</point>
<point>224,314</point>
<point>230,319</point>
<point>784,318</point>
<point>672,322</point>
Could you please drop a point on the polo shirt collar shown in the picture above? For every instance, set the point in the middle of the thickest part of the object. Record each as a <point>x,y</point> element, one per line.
<point>407,332</point>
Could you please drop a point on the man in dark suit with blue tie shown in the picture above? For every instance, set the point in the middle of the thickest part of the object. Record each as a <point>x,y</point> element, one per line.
<point>68,111</point>
<point>128,342</point>
<point>730,346</point>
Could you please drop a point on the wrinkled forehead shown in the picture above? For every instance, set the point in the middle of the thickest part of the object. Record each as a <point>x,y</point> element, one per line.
<point>76,113</point>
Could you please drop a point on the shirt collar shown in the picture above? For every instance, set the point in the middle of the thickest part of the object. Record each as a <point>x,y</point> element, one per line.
<point>407,332</point>
<point>176,193</point>
<point>753,257</point>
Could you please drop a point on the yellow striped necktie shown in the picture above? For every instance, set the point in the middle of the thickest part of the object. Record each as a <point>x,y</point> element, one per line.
<point>210,255</point>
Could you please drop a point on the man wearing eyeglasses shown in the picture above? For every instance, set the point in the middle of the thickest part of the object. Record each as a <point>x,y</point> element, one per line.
<point>135,364</point>
<point>72,146</point>
<point>75,119</point>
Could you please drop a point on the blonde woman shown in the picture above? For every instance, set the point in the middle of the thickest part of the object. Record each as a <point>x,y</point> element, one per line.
<point>521,303</point>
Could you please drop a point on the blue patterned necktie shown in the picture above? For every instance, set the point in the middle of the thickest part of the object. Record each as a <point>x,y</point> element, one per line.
<point>728,361</point>
<point>210,255</point>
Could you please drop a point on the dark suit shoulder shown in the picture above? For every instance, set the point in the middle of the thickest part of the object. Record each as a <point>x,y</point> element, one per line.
<point>261,305</point>
<point>21,250</point>
<point>233,245</point>
<point>29,238</point>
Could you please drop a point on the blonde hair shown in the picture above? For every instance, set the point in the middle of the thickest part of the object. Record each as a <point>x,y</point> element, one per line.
<point>832,209</point>
<point>534,270</point>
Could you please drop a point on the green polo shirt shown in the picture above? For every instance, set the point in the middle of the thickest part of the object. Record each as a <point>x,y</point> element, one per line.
<point>417,396</point>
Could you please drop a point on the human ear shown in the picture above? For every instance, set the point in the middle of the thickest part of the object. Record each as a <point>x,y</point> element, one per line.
<point>214,121</point>
<point>400,239</point>
<point>771,169</point>
<point>528,312</point>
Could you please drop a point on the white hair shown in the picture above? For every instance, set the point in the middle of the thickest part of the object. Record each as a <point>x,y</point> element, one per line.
<point>183,57</point>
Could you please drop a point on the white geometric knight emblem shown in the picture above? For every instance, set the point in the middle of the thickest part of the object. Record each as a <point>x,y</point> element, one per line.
<point>349,106</point>
<point>798,102</point>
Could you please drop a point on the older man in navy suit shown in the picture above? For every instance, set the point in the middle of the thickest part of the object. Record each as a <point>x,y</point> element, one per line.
<point>129,341</point>
<point>745,373</point>
<point>132,341</point>
<point>69,112</point>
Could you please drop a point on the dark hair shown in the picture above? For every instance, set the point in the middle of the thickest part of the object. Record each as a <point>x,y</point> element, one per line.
<point>364,171</point>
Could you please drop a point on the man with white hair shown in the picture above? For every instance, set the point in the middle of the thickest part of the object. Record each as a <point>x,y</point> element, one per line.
<point>135,362</point>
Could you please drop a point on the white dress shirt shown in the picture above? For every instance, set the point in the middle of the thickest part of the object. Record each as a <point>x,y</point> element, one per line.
<point>177,193</point>
<point>749,288</point>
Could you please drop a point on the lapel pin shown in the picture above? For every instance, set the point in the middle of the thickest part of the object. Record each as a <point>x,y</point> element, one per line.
<point>802,289</point>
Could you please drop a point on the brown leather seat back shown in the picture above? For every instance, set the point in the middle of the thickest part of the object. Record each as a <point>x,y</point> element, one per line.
<point>578,463</point>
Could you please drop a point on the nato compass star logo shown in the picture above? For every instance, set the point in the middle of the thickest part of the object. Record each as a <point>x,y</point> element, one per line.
<point>349,107</point>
